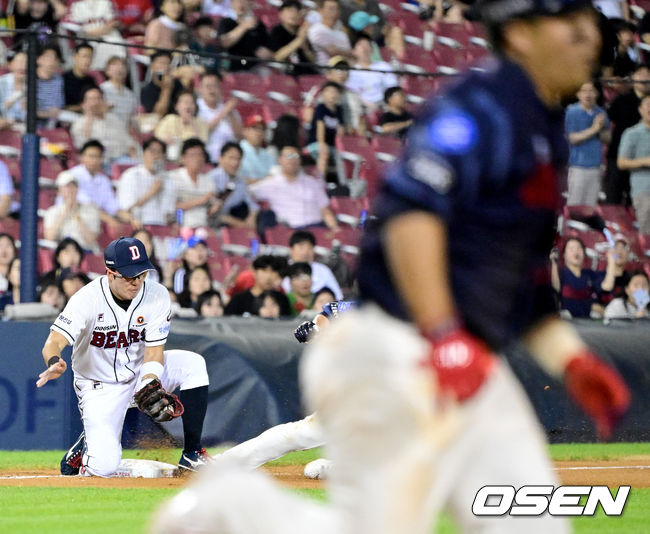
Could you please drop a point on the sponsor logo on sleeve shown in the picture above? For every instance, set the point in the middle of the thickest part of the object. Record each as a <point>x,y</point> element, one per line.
<point>64,319</point>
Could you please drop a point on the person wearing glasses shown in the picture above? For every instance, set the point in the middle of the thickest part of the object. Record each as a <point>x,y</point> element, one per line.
<point>118,326</point>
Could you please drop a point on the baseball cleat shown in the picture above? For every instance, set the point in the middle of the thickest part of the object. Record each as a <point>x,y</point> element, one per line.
<point>318,469</point>
<point>71,461</point>
<point>191,461</point>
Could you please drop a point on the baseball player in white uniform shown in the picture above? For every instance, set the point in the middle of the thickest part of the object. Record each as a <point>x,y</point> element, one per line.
<point>118,325</point>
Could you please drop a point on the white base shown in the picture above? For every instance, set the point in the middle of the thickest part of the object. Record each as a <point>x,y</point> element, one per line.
<point>131,468</point>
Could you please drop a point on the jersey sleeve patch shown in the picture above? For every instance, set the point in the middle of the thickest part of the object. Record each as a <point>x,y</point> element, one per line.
<point>454,132</point>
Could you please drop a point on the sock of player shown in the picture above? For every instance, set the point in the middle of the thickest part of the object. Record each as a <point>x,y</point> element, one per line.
<point>195,401</point>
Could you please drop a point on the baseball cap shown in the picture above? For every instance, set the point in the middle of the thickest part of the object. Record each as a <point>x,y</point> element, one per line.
<point>500,11</point>
<point>335,61</point>
<point>290,3</point>
<point>65,178</point>
<point>127,256</point>
<point>254,120</point>
<point>360,19</point>
<point>194,240</point>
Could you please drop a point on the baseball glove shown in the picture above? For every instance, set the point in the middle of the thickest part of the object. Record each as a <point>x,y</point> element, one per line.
<point>305,331</point>
<point>154,401</point>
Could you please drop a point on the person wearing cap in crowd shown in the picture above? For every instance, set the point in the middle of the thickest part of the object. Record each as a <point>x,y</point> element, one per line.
<point>144,191</point>
<point>395,120</point>
<point>328,37</point>
<point>361,22</point>
<point>288,39</point>
<point>237,208</point>
<point>194,190</point>
<point>626,55</point>
<point>374,23</point>
<point>118,326</point>
<point>195,254</point>
<point>256,161</point>
<point>203,41</point>
<point>71,218</point>
<point>369,85</point>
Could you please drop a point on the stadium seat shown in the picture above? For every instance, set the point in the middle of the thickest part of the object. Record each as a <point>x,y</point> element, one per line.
<point>46,198</point>
<point>449,59</point>
<point>387,145</point>
<point>619,216</point>
<point>349,236</point>
<point>162,231</point>
<point>10,142</point>
<point>324,236</point>
<point>422,86</point>
<point>307,83</point>
<point>11,227</point>
<point>238,236</point>
<point>285,84</point>
<point>13,164</point>
<point>93,263</point>
<point>219,268</point>
<point>118,168</point>
<point>451,30</point>
<point>349,206</point>
<point>50,168</point>
<point>45,260</point>
<point>278,235</point>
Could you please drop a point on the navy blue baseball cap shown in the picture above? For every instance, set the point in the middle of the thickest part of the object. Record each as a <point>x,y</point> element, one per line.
<point>127,256</point>
<point>500,11</point>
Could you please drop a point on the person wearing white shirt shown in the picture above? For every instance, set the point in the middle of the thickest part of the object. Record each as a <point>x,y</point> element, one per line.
<point>222,118</point>
<point>122,101</point>
<point>301,249</point>
<point>13,91</point>
<point>6,192</point>
<point>327,37</point>
<point>219,8</point>
<point>195,192</point>
<point>144,190</point>
<point>370,86</point>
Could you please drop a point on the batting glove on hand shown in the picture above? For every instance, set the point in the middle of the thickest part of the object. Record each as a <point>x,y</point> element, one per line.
<point>598,389</point>
<point>461,362</point>
<point>305,331</point>
<point>155,402</point>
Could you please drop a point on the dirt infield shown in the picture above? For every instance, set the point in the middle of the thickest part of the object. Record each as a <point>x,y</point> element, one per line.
<point>633,471</point>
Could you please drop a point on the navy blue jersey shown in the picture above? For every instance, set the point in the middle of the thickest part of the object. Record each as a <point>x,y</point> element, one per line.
<point>484,158</point>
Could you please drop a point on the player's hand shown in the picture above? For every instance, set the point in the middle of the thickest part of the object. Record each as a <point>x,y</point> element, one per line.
<point>461,362</point>
<point>598,389</point>
<point>155,402</point>
<point>53,372</point>
<point>305,331</point>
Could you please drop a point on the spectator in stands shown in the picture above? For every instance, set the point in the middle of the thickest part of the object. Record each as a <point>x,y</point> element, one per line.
<point>577,286</point>
<point>194,255</point>
<point>353,113</point>
<point>177,127</point>
<point>626,55</point>
<point>286,133</point>
<point>194,191</point>
<point>223,120</point>
<point>8,252</point>
<point>300,297</point>
<point>644,28</point>
<point>203,41</point>
<point>256,161</point>
<point>73,282</point>
<point>245,36</point>
<point>106,127</point>
<point>237,209</point>
<point>267,277</point>
<point>41,13</point>
<point>144,190</point>
<point>288,40</point>
<point>634,156</point>
<point>160,31</point>
<point>373,22</point>
<point>13,91</point>
<point>328,37</point>
<point>145,236</point>
<point>12,294</point>
<point>209,304</point>
<point>68,256</point>
<point>370,86</point>
<point>98,20</point>
<point>121,100</point>
<point>621,255</point>
<point>301,250</point>
<point>298,200</point>
<point>268,305</point>
<point>362,23</point>
<point>395,120</point>
<point>6,192</point>
<point>587,128</point>
<point>321,298</point>
<point>52,294</point>
<point>49,90</point>
<point>634,302</point>
<point>218,8</point>
<point>326,124</point>
<point>134,15</point>
<point>95,187</point>
<point>158,96</point>
<point>196,282</point>
<point>623,111</point>
<point>77,78</point>
<point>71,218</point>
<point>184,64</point>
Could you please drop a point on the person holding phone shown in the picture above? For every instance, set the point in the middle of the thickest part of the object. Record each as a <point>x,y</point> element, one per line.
<point>634,302</point>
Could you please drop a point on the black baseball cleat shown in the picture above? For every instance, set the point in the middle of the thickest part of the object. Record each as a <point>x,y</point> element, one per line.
<point>193,460</point>
<point>71,461</point>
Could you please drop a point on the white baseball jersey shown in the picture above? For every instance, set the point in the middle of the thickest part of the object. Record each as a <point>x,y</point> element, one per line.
<point>108,342</point>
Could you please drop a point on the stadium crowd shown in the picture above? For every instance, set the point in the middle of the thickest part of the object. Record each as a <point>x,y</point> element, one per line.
<point>243,144</point>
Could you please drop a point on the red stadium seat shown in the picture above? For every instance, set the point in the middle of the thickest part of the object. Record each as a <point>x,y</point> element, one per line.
<point>387,145</point>
<point>238,236</point>
<point>10,142</point>
<point>46,198</point>
<point>45,260</point>
<point>162,231</point>
<point>278,235</point>
<point>618,216</point>
<point>309,82</point>
<point>93,263</point>
<point>219,268</point>
<point>118,168</point>
<point>50,168</point>
<point>11,227</point>
<point>13,164</point>
<point>452,30</point>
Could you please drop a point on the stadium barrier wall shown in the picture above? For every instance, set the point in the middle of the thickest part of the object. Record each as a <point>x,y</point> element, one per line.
<point>253,367</point>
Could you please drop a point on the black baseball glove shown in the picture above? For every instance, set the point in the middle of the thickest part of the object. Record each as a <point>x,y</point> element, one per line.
<point>305,331</point>
<point>154,401</point>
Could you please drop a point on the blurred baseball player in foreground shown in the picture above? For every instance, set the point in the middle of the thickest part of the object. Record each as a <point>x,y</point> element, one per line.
<point>417,410</point>
<point>118,325</point>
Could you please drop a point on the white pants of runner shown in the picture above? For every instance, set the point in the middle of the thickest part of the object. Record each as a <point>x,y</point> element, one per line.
<point>103,407</point>
<point>583,186</point>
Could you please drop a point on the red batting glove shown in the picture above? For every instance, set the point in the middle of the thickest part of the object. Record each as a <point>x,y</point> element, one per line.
<point>462,362</point>
<point>598,389</point>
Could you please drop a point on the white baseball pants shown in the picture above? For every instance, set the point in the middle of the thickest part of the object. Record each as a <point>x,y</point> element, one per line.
<point>103,407</point>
